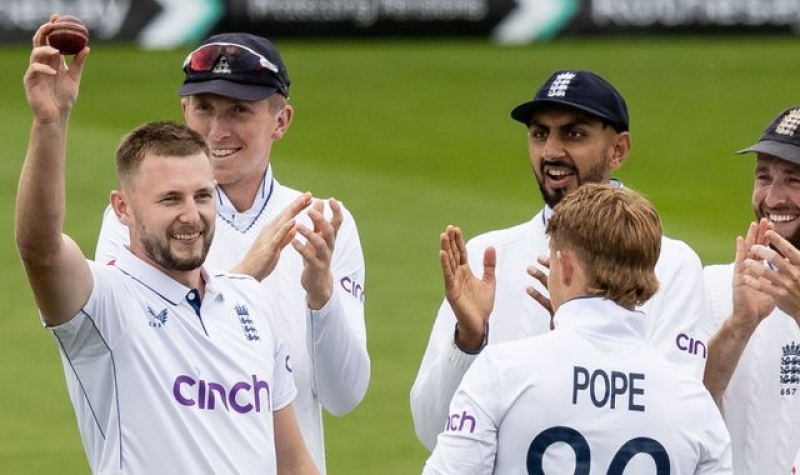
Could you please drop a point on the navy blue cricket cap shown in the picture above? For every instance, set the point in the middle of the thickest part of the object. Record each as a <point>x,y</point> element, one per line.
<point>237,65</point>
<point>583,90</point>
<point>781,138</point>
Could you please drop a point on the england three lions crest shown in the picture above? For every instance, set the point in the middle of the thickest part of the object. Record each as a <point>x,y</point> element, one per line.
<point>790,365</point>
<point>248,326</point>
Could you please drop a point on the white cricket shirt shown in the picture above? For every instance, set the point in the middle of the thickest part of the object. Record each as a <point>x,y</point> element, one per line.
<point>761,405</point>
<point>589,397</point>
<point>671,315</point>
<point>162,383</point>
<point>328,347</point>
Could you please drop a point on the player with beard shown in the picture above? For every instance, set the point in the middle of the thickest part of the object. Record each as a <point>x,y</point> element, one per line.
<point>235,93</point>
<point>578,132</point>
<point>171,366</point>
<point>753,367</point>
<point>545,404</point>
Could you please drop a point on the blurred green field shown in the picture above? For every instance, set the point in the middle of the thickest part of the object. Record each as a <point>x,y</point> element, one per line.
<point>411,135</point>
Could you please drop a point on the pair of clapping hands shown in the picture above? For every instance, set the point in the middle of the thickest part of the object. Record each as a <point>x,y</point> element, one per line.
<point>316,248</point>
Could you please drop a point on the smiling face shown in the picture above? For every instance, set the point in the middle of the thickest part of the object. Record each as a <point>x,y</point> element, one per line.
<point>170,210</point>
<point>240,134</point>
<point>776,195</point>
<point>569,148</point>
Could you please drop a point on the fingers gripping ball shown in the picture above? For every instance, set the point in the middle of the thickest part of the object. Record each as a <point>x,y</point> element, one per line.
<point>69,35</point>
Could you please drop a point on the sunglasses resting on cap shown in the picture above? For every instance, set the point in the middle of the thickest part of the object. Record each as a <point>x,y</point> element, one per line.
<point>234,70</point>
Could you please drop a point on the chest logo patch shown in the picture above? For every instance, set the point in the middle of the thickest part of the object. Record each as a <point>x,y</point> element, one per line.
<point>156,320</point>
<point>790,364</point>
<point>249,328</point>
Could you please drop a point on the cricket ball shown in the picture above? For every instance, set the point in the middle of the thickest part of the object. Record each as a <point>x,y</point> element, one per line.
<point>69,35</point>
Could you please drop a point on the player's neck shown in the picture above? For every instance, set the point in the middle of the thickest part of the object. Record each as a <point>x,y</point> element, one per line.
<point>242,198</point>
<point>243,193</point>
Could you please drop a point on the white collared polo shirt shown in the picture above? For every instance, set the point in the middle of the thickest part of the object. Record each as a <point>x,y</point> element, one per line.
<point>589,397</point>
<point>164,383</point>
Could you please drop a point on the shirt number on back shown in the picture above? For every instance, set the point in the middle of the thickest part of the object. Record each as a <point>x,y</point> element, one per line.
<point>583,460</point>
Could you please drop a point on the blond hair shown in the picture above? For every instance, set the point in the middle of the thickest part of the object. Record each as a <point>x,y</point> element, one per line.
<point>615,233</point>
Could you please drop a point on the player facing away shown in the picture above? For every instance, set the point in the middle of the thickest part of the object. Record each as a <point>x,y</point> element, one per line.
<point>578,133</point>
<point>753,367</point>
<point>592,396</point>
<point>172,367</point>
<point>235,93</point>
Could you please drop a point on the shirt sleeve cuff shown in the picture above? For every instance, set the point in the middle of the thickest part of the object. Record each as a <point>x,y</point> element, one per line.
<point>483,343</point>
<point>326,309</point>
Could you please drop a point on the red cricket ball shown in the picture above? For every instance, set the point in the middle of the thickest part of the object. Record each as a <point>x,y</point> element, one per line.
<point>69,35</point>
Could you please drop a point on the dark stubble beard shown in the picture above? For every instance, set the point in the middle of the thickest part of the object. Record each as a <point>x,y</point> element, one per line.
<point>596,174</point>
<point>157,248</point>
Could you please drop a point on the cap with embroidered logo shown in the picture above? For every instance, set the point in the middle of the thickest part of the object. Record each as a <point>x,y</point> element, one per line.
<point>583,90</point>
<point>237,65</point>
<point>781,138</point>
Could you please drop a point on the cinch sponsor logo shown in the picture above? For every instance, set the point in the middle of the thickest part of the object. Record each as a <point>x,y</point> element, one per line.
<point>242,397</point>
<point>690,345</point>
<point>456,422</point>
<point>353,288</point>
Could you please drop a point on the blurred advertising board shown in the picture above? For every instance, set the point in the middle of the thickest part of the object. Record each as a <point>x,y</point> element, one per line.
<point>176,23</point>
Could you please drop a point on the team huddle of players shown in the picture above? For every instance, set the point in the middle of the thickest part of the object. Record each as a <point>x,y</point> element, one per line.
<point>581,341</point>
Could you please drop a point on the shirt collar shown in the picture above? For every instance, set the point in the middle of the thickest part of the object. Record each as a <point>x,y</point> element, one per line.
<point>244,219</point>
<point>157,281</point>
<point>598,315</point>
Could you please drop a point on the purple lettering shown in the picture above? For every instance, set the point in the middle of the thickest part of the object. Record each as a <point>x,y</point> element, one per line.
<point>453,419</point>
<point>243,397</point>
<point>219,389</point>
<point>688,344</point>
<point>201,394</point>
<point>241,409</point>
<point>456,422</point>
<point>678,341</point>
<point>257,386</point>
<point>699,345</point>
<point>464,418</point>
<point>353,288</point>
<point>176,390</point>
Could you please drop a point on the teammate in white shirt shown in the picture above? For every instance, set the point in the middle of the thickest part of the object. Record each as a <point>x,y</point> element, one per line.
<point>235,94</point>
<point>578,133</point>
<point>753,367</point>
<point>171,366</point>
<point>592,396</point>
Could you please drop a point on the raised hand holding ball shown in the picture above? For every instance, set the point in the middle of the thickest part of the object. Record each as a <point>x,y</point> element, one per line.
<point>69,35</point>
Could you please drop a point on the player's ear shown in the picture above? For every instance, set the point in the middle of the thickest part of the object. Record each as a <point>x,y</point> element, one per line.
<point>284,119</point>
<point>121,207</point>
<point>620,150</point>
<point>184,105</point>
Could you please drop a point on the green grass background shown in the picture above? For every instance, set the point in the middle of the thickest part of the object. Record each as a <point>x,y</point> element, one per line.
<point>411,135</point>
